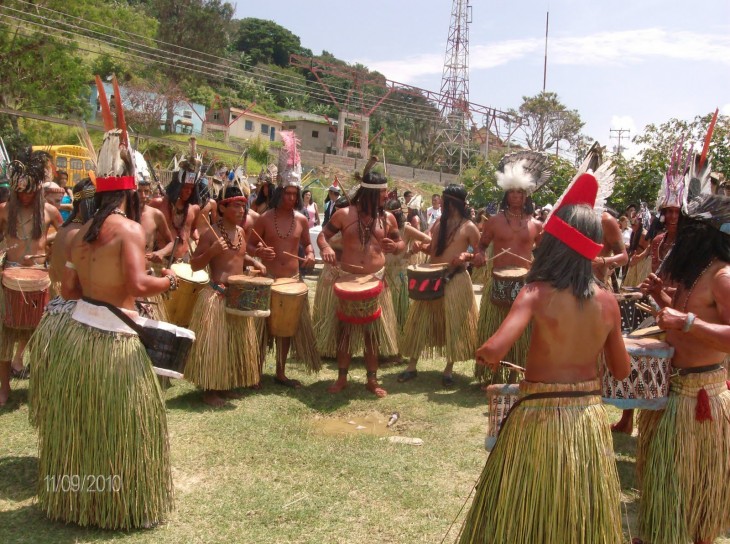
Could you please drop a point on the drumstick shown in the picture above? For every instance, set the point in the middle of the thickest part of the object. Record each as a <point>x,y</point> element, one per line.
<point>518,256</point>
<point>353,266</point>
<point>498,255</point>
<point>646,308</point>
<point>293,256</point>
<point>210,227</point>
<point>34,256</point>
<point>510,365</point>
<point>259,237</point>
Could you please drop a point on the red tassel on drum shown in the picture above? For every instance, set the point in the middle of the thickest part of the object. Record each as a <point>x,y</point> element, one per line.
<point>703,412</point>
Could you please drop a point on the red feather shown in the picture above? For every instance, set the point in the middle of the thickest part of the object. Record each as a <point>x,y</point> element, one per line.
<point>106,112</point>
<point>708,138</point>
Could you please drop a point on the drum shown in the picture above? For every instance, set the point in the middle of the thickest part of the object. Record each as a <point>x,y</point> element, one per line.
<point>647,385</point>
<point>26,295</point>
<point>500,399</point>
<point>357,297</point>
<point>167,347</point>
<point>506,285</point>
<point>248,296</point>
<point>288,297</point>
<point>182,300</point>
<point>426,281</point>
<point>631,316</point>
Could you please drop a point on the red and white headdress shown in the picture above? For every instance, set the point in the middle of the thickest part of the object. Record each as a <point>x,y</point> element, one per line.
<point>290,162</point>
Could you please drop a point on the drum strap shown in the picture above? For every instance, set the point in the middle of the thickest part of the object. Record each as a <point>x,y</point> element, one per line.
<point>699,369</point>
<point>217,288</point>
<point>136,327</point>
<point>549,395</point>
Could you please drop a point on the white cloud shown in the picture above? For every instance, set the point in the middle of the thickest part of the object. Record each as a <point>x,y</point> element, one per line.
<point>725,110</point>
<point>602,48</point>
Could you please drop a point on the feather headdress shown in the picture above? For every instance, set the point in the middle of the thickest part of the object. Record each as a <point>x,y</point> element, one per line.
<point>189,168</point>
<point>713,210</point>
<point>523,171</point>
<point>28,172</point>
<point>290,162</point>
<point>115,167</point>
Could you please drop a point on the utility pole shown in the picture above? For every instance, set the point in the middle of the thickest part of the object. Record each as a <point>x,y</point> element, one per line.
<point>544,68</point>
<point>620,132</point>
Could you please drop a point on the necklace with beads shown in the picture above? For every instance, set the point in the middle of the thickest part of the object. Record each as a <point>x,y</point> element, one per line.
<point>119,212</point>
<point>364,231</point>
<point>689,292</point>
<point>291,226</point>
<point>507,213</point>
<point>227,239</point>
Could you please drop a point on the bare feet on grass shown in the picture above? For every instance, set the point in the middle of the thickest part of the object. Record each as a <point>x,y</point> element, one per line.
<point>339,385</point>
<point>375,389</point>
<point>212,398</point>
<point>625,424</point>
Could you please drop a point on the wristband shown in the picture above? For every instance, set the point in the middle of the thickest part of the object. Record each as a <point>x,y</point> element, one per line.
<point>688,322</point>
<point>173,282</point>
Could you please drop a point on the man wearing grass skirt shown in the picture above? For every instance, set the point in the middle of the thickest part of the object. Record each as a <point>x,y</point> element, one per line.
<point>514,234</point>
<point>446,325</point>
<point>684,450</point>
<point>226,352</point>
<point>549,478</point>
<point>59,309</point>
<point>368,234</point>
<point>104,456</point>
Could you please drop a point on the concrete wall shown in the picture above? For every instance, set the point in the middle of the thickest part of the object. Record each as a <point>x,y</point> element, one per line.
<point>304,130</point>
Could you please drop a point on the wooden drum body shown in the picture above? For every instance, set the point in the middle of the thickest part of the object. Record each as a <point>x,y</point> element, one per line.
<point>26,295</point>
<point>506,285</point>
<point>249,296</point>
<point>288,297</point>
<point>357,297</point>
<point>182,301</point>
<point>647,385</point>
<point>500,399</point>
<point>426,281</point>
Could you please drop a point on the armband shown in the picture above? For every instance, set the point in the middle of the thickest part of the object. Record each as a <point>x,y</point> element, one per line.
<point>688,322</point>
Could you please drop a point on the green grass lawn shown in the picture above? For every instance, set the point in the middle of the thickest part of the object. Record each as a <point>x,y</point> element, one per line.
<point>262,471</point>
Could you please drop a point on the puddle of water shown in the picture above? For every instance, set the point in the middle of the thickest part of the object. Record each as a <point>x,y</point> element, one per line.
<point>372,424</point>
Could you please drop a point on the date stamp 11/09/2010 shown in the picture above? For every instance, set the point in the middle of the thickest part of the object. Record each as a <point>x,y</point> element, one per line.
<point>88,483</point>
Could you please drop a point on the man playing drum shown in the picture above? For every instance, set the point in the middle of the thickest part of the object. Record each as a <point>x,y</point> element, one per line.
<point>180,205</point>
<point>104,454</point>
<point>225,355</point>
<point>368,233</point>
<point>24,223</point>
<point>514,233</point>
<point>278,232</point>
<point>549,477</point>
<point>684,450</point>
<point>447,324</point>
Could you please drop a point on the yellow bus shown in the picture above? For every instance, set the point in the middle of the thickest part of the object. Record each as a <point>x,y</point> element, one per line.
<point>73,159</point>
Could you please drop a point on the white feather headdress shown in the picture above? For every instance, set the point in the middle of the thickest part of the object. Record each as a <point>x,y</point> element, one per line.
<point>523,171</point>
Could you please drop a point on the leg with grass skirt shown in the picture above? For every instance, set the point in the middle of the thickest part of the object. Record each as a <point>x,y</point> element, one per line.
<point>686,462</point>
<point>325,320</point>
<point>104,454</point>
<point>548,478</point>
<point>225,355</point>
<point>397,280</point>
<point>446,326</point>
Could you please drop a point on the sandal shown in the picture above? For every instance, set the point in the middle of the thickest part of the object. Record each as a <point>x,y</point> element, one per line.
<point>407,375</point>
<point>288,382</point>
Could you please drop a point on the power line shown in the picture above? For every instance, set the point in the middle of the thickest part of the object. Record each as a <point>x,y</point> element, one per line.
<point>620,132</point>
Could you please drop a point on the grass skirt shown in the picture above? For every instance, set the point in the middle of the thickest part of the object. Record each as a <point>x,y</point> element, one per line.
<point>483,275</point>
<point>39,350</point>
<point>397,280</point>
<point>490,318</point>
<point>385,329</point>
<point>303,343</point>
<point>104,419</point>
<point>551,477</point>
<point>446,326</point>
<point>9,338</point>
<point>685,463</point>
<point>637,273</point>
<point>325,304</point>
<point>225,354</point>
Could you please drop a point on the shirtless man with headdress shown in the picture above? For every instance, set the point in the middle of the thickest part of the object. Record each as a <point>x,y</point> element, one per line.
<point>24,223</point>
<point>180,205</point>
<point>554,448</point>
<point>226,352</point>
<point>104,455</point>
<point>278,232</point>
<point>368,233</point>
<point>514,233</point>
<point>446,325</point>
<point>684,450</point>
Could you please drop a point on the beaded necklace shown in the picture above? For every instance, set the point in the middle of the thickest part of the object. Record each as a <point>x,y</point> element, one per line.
<point>291,226</point>
<point>227,239</point>
<point>689,292</point>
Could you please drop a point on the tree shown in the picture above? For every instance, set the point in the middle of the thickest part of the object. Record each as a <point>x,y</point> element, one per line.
<point>546,121</point>
<point>266,42</point>
<point>196,29</point>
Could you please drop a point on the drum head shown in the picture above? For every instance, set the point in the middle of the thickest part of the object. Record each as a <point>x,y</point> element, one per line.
<point>428,267</point>
<point>185,272</point>
<point>648,346</point>
<point>510,273</point>
<point>645,333</point>
<point>289,286</point>
<point>355,283</point>
<point>26,279</point>
<point>249,280</point>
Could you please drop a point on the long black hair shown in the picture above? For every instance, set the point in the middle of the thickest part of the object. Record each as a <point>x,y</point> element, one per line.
<point>275,200</point>
<point>83,208</point>
<point>454,198</point>
<point>527,209</point>
<point>38,207</point>
<point>262,198</point>
<point>559,265</point>
<point>368,200</point>
<point>696,245</point>
<point>106,203</point>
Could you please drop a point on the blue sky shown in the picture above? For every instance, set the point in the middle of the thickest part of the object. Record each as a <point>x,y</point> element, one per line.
<point>621,64</point>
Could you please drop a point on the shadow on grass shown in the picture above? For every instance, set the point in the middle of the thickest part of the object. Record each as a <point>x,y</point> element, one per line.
<point>18,396</point>
<point>18,478</point>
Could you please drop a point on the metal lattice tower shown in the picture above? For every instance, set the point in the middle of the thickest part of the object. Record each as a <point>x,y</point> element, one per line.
<point>454,139</point>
